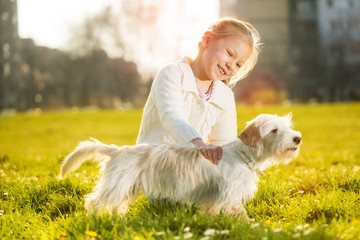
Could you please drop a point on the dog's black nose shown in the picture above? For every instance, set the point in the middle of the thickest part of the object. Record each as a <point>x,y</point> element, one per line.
<point>297,140</point>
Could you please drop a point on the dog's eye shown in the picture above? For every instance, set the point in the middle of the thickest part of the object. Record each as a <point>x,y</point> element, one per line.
<point>274,130</point>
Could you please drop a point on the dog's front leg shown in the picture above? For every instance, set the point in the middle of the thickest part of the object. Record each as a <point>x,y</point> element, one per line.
<point>237,210</point>
<point>212,209</point>
<point>123,207</point>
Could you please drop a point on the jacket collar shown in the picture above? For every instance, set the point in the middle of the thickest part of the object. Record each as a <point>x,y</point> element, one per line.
<point>219,92</point>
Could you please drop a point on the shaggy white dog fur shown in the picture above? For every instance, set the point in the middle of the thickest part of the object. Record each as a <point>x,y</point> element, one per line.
<point>181,174</point>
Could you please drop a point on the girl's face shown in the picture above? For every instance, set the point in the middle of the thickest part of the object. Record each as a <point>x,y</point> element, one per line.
<point>222,57</point>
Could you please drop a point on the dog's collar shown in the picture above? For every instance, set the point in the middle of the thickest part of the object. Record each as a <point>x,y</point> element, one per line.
<point>250,163</point>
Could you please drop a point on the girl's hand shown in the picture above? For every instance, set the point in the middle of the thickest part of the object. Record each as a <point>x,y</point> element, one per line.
<point>209,151</point>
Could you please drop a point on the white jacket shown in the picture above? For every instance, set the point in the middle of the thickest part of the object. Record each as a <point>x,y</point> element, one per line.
<point>175,113</point>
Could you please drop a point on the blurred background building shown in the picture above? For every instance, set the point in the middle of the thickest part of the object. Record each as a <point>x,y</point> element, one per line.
<point>9,55</point>
<point>311,53</point>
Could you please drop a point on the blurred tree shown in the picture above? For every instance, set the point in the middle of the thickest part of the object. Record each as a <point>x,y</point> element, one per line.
<point>140,26</point>
<point>99,32</point>
<point>82,76</point>
<point>43,73</point>
<point>102,81</point>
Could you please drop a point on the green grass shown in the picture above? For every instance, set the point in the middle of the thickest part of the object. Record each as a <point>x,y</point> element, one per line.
<point>316,196</point>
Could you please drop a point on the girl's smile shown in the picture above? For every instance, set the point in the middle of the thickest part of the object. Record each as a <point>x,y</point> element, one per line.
<point>221,70</point>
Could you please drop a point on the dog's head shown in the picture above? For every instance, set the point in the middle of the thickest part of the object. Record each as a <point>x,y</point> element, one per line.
<point>271,137</point>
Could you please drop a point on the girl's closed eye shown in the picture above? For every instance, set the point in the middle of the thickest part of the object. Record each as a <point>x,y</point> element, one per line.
<point>230,53</point>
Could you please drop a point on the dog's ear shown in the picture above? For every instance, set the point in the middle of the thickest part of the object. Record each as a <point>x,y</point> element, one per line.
<point>251,137</point>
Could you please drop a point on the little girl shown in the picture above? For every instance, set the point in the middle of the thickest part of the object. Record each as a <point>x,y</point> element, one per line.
<point>191,100</point>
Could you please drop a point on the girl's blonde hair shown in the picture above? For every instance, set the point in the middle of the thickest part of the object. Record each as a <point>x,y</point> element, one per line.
<point>232,26</point>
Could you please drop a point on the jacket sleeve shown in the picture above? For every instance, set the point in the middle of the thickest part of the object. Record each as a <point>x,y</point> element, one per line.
<point>169,101</point>
<point>225,129</point>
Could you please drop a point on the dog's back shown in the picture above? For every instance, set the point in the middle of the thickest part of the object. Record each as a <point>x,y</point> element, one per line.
<point>176,172</point>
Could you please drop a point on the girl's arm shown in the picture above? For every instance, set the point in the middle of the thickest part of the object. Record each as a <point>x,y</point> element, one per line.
<point>169,101</point>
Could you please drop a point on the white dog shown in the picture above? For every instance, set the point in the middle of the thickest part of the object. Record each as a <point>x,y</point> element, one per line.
<point>182,174</point>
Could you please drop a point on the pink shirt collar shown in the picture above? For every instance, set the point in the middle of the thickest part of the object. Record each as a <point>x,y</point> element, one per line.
<point>205,96</point>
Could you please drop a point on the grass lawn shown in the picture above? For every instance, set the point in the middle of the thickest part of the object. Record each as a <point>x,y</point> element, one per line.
<point>316,196</point>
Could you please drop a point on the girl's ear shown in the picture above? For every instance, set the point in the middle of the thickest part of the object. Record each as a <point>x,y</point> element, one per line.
<point>206,39</point>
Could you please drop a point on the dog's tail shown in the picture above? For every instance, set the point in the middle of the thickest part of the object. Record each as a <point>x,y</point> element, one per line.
<point>84,151</point>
